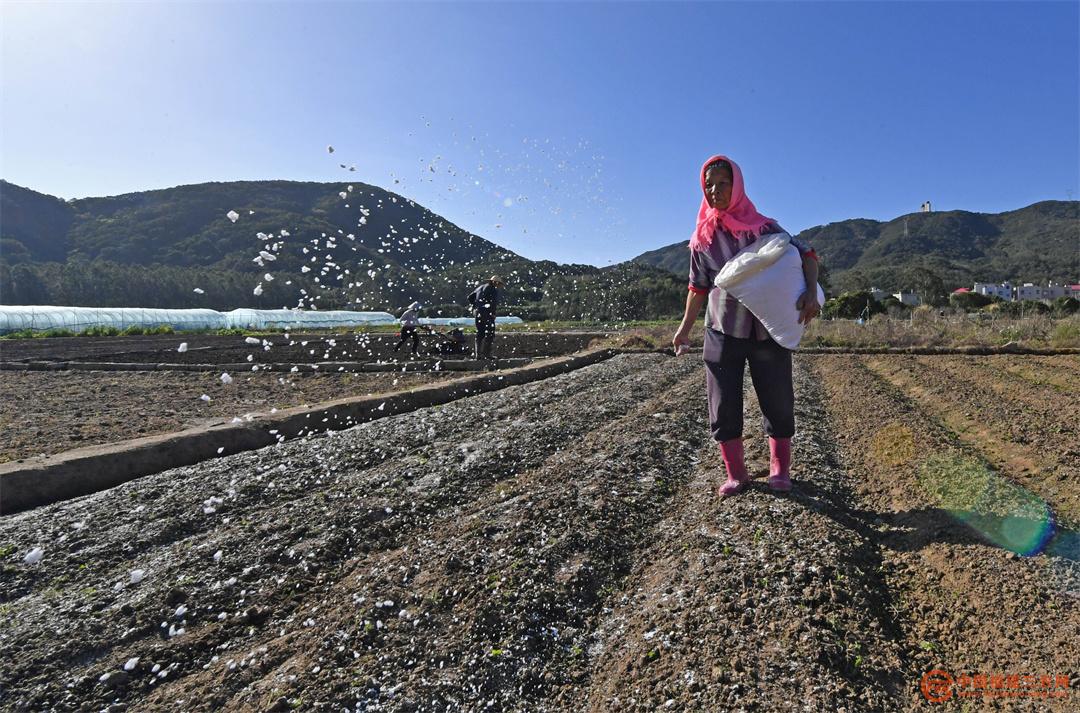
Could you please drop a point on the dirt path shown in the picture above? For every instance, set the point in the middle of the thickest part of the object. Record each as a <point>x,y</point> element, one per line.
<point>553,546</point>
<point>756,603</point>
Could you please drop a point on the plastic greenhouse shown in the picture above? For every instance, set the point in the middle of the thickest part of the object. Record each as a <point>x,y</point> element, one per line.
<point>16,318</point>
<point>302,319</point>
<point>463,321</point>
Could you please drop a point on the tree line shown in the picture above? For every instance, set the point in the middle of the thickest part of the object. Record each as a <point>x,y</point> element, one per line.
<point>624,292</point>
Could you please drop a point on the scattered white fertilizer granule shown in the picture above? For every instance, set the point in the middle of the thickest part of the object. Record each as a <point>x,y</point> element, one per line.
<point>182,348</point>
<point>199,291</point>
<point>205,398</point>
<point>251,340</point>
<point>225,378</point>
<point>232,215</point>
<point>34,556</point>
<point>131,664</point>
<point>258,290</point>
<point>137,575</point>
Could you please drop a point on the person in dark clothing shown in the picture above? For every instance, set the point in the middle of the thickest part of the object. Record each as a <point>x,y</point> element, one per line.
<point>485,302</point>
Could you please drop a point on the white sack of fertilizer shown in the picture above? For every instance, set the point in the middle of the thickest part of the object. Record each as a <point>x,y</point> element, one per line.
<point>767,278</point>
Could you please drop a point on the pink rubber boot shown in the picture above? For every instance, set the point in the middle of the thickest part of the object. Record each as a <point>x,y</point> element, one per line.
<point>780,464</point>
<point>735,465</point>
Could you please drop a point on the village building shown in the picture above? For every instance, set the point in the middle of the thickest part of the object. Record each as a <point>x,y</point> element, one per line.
<point>910,299</point>
<point>1002,291</point>
<point>1027,291</point>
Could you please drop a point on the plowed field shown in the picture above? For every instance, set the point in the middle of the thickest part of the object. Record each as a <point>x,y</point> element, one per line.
<point>54,411</point>
<point>558,546</point>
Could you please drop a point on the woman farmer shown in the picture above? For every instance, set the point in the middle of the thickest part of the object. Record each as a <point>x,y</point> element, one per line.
<point>728,222</point>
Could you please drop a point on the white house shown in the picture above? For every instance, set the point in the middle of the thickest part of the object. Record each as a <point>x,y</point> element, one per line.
<point>907,298</point>
<point>1003,291</point>
<point>1027,291</point>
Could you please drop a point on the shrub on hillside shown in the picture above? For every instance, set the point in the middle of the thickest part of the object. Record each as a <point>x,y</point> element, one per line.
<point>1064,306</point>
<point>1019,309</point>
<point>852,305</point>
<point>968,301</point>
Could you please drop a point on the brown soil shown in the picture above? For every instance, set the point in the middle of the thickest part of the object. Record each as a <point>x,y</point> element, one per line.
<point>217,349</point>
<point>55,411</point>
<point>1027,430</point>
<point>964,603</point>
<point>52,412</point>
<point>553,546</point>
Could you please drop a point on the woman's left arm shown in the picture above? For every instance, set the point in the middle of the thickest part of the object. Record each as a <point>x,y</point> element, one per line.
<point>807,304</point>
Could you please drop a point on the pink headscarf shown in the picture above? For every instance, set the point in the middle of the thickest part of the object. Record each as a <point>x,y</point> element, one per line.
<point>741,217</point>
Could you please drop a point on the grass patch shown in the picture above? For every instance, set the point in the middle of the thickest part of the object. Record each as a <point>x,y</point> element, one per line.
<point>100,332</point>
<point>1066,334</point>
<point>946,328</point>
<point>893,445</point>
<point>38,334</point>
<point>1001,511</point>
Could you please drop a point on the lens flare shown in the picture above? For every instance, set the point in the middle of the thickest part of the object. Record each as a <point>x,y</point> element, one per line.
<point>1002,512</point>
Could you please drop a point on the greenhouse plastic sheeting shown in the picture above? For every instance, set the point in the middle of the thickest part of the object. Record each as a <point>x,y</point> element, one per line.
<point>306,319</point>
<point>463,321</point>
<point>15,318</point>
<point>77,319</point>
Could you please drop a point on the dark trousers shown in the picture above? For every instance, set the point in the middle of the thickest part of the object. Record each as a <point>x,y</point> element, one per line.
<point>407,332</point>
<point>770,370</point>
<point>485,334</point>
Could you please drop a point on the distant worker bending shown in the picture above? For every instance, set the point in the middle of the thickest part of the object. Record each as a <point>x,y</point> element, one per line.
<point>410,322</point>
<point>485,301</point>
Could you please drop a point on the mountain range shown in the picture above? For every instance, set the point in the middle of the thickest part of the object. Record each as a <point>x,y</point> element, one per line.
<point>359,246</point>
<point>330,245</point>
<point>1038,243</point>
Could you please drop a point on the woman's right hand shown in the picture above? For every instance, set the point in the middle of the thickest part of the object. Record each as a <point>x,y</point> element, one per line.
<point>681,342</point>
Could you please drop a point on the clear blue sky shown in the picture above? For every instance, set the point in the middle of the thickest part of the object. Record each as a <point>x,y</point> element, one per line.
<point>577,129</point>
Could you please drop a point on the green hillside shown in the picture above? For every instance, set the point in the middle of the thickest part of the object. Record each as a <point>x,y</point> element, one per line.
<point>372,249</point>
<point>1038,243</point>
